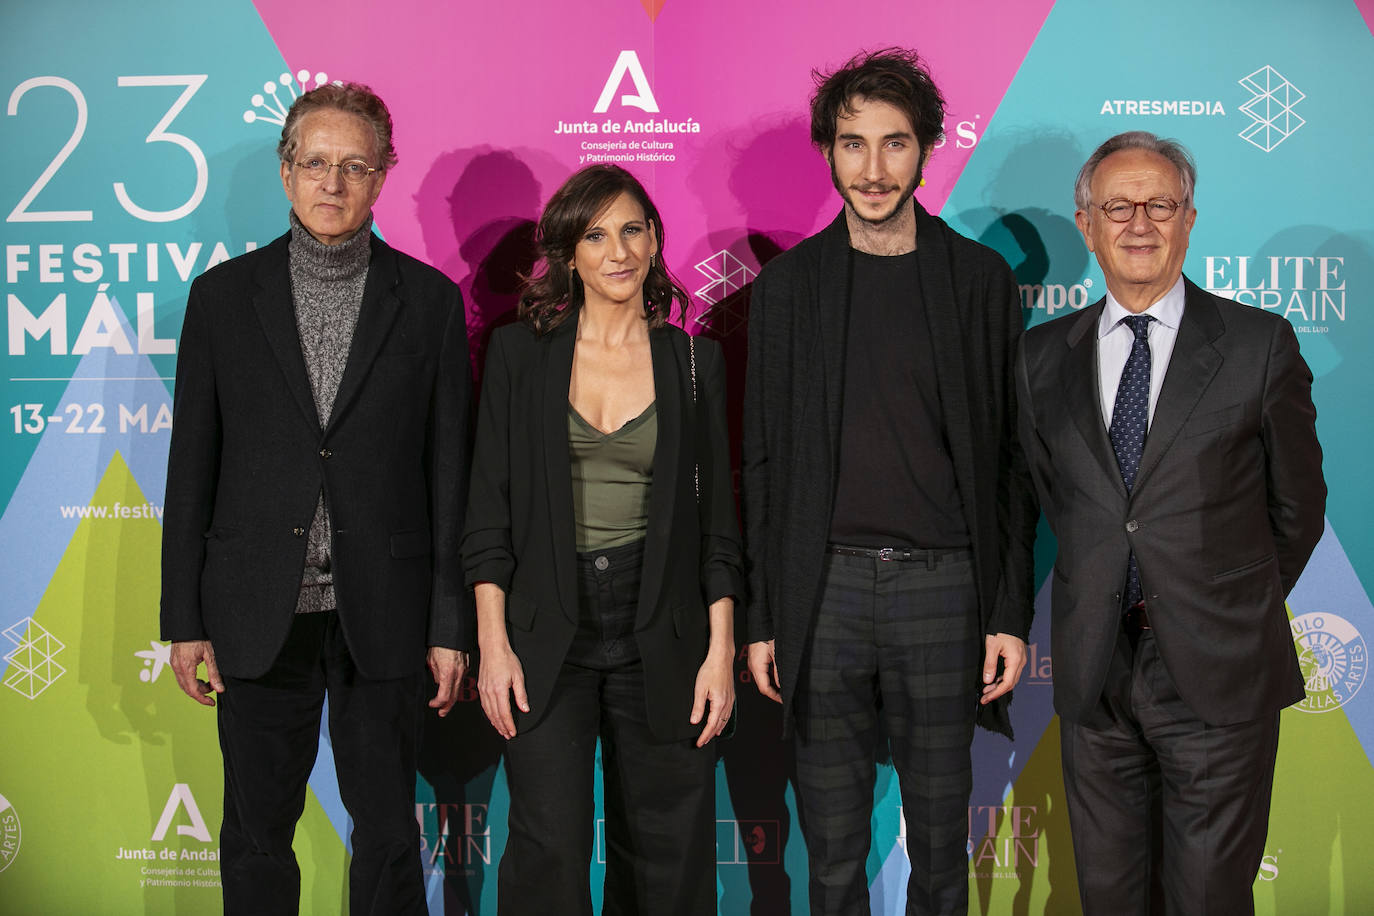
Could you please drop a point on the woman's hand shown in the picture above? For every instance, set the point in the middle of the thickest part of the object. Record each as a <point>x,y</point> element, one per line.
<point>500,674</point>
<point>715,690</point>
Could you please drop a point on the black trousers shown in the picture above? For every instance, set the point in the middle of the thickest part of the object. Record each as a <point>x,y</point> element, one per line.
<point>897,640</point>
<point>1168,814</point>
<point>659,797</point>
<point>269,731</point>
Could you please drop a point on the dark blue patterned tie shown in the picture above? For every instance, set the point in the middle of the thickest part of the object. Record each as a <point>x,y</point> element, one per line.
<point>1130,419</point>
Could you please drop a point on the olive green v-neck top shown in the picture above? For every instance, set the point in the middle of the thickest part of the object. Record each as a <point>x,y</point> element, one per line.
<point>611,474</point>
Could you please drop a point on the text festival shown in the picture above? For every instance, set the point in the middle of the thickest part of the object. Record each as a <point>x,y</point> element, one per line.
<point>92,264</point>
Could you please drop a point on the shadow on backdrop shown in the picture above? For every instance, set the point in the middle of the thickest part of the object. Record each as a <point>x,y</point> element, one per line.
<point>1027,217</point>
<point>771,189</point>
<point>477,210</point>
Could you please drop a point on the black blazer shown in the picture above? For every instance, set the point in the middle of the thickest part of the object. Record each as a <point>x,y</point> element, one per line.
<point>520,530</point>
<point>798,320</point>
<point>1227,506</point>
<point>248,459</point>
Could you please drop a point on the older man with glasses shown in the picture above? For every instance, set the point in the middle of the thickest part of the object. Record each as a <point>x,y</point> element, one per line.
<point>1172,439</point>
<point>315,492</point>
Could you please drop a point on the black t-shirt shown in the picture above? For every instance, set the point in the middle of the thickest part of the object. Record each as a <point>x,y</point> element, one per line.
<point>896,482</point>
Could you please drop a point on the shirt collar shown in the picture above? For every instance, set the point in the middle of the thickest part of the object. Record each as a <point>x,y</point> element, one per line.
<point>1168,311</point>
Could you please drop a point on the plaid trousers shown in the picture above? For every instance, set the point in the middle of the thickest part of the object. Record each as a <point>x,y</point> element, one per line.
<point>896,642</point>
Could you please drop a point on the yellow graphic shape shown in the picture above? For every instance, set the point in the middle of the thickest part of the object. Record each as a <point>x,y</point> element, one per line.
<point>90,762</point>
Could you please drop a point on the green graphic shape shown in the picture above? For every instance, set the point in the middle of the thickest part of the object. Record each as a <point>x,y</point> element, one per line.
<point>94,760</point>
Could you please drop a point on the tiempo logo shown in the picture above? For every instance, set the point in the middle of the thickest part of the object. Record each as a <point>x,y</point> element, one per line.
<point>1270,108</point>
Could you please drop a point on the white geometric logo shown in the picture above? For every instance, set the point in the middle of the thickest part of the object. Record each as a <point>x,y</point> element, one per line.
<point>273,108</point>
<point>643,99</point>
<point>155,658</point>
<point>727,274</point>
<point>181,797</point>
<point>1271,108</point>
<point>33,660</point>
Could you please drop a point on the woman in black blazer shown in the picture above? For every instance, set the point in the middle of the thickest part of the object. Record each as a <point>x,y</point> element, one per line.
<point>603,549</point>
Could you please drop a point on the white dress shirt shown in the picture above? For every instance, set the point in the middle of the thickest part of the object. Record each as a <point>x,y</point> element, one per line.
<point>1115,338</point>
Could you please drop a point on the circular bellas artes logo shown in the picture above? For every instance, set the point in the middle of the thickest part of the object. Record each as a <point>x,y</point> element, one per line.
<point>1332,657</point>
<point>9,833</point>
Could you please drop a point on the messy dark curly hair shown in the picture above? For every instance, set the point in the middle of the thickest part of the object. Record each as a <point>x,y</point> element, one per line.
<point>896,76</point>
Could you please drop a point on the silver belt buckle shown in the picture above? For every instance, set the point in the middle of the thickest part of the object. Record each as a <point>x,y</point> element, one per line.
<point>885,554</point>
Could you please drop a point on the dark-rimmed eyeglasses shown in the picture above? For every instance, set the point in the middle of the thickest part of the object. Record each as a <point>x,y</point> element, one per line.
<point>353,171</point>
<point>1158,209</point>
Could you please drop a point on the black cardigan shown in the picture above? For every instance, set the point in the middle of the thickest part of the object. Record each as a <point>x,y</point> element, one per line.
<point>798,317</point>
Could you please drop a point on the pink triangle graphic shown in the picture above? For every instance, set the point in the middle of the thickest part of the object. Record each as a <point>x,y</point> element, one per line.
<point>492,102</point>
<point>1366,8</point>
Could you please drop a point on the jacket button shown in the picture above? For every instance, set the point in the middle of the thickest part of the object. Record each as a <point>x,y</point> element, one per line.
<point>298,532</point>
<point>326,453</point>
<point>1133,525</point>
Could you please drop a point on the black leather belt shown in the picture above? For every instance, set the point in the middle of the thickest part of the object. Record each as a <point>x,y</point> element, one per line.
<point>896,554</point>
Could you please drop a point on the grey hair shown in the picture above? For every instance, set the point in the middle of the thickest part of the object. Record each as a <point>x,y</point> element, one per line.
<point>350,98</point>
<point>1172,150</point>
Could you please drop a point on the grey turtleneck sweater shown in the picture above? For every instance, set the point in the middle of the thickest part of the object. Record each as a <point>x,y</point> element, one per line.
<point>327,290</point>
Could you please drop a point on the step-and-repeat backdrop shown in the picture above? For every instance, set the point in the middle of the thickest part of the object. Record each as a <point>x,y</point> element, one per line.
<point>137,144</point>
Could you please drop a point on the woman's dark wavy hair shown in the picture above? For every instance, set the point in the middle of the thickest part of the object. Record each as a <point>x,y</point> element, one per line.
<point>554,291</point>
<point>896,76</point>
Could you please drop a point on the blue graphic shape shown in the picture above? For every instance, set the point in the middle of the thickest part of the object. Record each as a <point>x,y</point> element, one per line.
<point>1329,585</point>
<point>67,466</point>
<point>887,893</point>
<point>324,782</point>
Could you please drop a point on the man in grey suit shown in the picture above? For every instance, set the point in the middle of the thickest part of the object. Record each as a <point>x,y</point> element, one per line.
<point>1171,436</point>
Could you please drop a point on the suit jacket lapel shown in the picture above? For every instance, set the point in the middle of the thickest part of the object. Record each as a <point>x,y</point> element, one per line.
<point>1192,365</point>
<point>668,456</point>
<point>1082,400</point>
<point>277,314</point>
<point>557,370</point>
<point>375,317</point>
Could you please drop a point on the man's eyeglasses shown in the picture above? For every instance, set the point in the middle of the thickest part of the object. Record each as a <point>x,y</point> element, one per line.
<point>353,171</point>
<point>1121,210</point>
